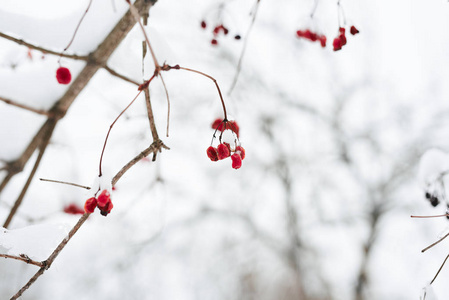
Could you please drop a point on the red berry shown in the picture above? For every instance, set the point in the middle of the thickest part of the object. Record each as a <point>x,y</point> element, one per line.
<point>354,30</point>
<point>240,150</point>
<point>90,205</point>
<point>237,37</point>
<point>212,153</point>
<point>104,203</point>
<point>342,30</point>
<point>214,42</point>
<point>323,41</point>
<point>223,151</point>
<point>104,198</point>
<point>63,75</point>
<point>225,30</point>
<point>343,39</point>
<point>216,29</point>
<point>300,33</point>
<point>337,44</point>
<point>232,125</point>
<point>73,209</point>
<point>203,24</point>
<point>218,124</point>
<point>236,161</point>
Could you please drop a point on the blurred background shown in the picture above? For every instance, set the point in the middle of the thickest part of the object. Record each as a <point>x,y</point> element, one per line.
<point>320,208</point>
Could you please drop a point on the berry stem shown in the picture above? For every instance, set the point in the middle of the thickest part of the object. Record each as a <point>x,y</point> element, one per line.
<point>441,267</point>
<point>437,242</point>
<point>76,30</point>
<point>216,84</point>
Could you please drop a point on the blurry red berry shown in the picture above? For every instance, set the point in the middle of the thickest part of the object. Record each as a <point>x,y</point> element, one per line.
<point>214,42</point>
<point>216,29</point>
<point>73,209</point>
<point>343,39</point>
<point>212,153</point>
<point>323,41</point>
<point>223,151</point>
<point>342,30</point>
<point>63,75</point>
<point>104,198</point>
<point>225,30</point>
<point>337,44</point>
<point>90,205</point>
<point>203,24</point>
<point>354,30</point>
<point>104,203</point>
<point>236,161</point>
<point>233,126</point>
<point>300,33</point>
<point>217,124</point>
<point>237,37</point>
<point>240,150</point>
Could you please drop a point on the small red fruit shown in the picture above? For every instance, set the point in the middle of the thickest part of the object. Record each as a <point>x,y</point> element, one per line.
<point>73,209</point>
<point>214,42</point>
<point>90,205</point>
<point>323,41</point>
<point>354,30</point>
<point>203,24</point>
<point>342,30</point>
<point>236,161</point>
<point>237,37</point>
<point>337,44</point>
<point>63,75</point>
<point>240,150</point>
<point>223,151</point>
<point>212,153</point>
<point>104,203</point>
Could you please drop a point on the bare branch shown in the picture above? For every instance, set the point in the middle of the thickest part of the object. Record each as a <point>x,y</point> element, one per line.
<point>123,77</point>
<point>26,107</point>
<point>43,50</point>
<point>439,270</point>
<point>64,182</point>
<point>23,258</point>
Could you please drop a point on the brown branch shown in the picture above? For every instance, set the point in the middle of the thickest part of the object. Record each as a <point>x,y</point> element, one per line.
<point>154,147</point>
<point>43,50</point>
<point>96,59</point>
<point>23,258</point>
<point>151,116</point>
<point>211,78</point>
<point>437,242</point>
<point>439,270</point>
<point>46,264</point>
<point>76,29</point>
<point>42,147</point>
<point>114,73</point>
<point>26,107</point>
<point>64,182</point>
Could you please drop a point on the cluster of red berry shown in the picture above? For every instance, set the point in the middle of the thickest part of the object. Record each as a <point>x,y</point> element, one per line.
<point>224,149</point>
<point>312,36</point>
<point>340,40</point>
<point>103,202</point>
<point>63,75</point>
<point>216,32</point>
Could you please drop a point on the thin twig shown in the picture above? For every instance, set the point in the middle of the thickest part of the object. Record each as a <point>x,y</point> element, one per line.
<point>76,30</point>
<point>437,242</point>
<point>123,77</point>
<point>216,84</point>
<point>65,182</point>
<point>109,131</point>
<point>441,267</point>
<point>26,107</point>
<point>19,200</point>
<point>436,216</point>
<point>155,146</point>
<point>46,264</point>
<point>43,50</point>
<point>245,43</point>
<point>151,116</point>
<point>168,103</point>
<point>23,258</point>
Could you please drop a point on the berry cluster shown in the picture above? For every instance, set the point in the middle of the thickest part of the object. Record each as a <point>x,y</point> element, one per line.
<point>63,75</point>
<point>103,202</point>
<point>219,28</point>
<point>224,149</point>
<point>312,36</point>
<point>340,40</point>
